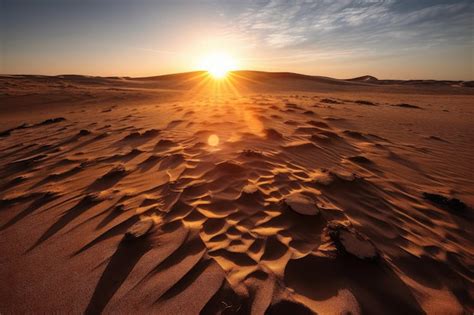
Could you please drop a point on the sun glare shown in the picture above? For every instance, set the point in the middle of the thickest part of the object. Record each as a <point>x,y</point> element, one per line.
<point>218,65</point>
<point>213,140</point>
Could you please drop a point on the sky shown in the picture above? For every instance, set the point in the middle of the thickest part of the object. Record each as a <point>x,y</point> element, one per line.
<point>389,39</point>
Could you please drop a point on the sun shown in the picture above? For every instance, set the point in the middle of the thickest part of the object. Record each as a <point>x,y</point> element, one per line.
<point>218,65</point>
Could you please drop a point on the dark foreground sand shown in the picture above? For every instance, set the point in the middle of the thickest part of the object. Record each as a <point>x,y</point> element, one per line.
<point>269,193</point>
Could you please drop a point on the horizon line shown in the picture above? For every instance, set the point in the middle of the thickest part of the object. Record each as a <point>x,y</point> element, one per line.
<point>240,70</point>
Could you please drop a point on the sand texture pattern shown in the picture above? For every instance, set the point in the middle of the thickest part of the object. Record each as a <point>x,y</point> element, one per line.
<point>279,195</point>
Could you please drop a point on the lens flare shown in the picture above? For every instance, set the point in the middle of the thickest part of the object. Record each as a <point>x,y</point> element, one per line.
<point>213,140</point>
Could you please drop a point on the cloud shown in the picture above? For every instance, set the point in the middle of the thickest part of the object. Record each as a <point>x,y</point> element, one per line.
<point>360,25</point>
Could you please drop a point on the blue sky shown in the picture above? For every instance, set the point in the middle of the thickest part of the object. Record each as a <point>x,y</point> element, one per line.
<point>346,38</point>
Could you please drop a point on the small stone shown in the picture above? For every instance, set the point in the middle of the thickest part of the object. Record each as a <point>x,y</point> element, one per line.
<point>302,204</point>
<point>139,229</point>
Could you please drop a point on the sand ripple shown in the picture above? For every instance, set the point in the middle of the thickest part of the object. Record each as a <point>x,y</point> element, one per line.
<point>293,214</point>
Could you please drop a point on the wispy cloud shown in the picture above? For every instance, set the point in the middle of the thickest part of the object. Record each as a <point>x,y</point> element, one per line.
<point>360,25</point>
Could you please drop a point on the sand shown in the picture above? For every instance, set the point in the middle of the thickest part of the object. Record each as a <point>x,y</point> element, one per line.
<point>271,193</point>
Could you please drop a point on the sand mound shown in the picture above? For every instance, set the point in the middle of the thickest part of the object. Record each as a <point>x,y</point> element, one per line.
<point>301,204</point>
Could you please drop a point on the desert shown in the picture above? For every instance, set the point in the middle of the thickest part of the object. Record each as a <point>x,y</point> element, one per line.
<point>265,193</point>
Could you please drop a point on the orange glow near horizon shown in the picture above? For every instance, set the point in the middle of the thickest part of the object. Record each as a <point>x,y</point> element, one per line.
<point>205,83</point>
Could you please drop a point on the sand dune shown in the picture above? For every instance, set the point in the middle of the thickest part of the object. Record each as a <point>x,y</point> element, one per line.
<point>278,194</point>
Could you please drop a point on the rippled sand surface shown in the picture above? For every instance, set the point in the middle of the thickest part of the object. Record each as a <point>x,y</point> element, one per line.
<point>279,196</point>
